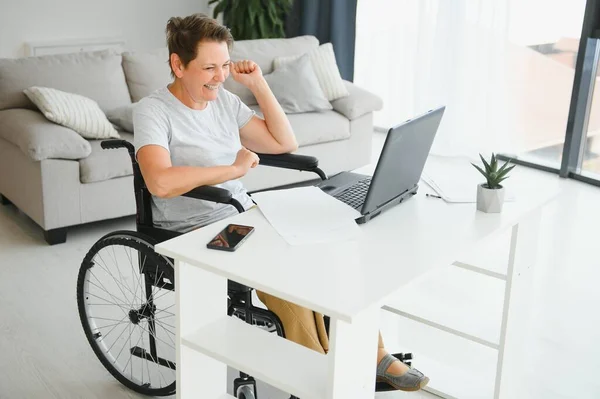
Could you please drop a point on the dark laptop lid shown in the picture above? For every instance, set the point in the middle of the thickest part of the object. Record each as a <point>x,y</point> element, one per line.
<point>402,159</point>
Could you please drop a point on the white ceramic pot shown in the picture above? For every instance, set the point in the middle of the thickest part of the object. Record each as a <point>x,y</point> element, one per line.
<point>490,201</point>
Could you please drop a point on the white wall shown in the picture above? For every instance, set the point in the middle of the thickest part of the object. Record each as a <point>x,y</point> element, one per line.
<point>141,23</point>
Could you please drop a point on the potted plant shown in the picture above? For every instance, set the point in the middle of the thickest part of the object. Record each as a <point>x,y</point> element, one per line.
<point>490,195</point>
<point>253,19</point>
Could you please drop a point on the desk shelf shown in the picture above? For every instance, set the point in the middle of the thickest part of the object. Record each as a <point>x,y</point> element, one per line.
<point>458,368</point>
<point>439,300</point>
<point>451,381</point>
<point>465,367</point>
<point>263,355</point>
<point>468,306</point>
<point>491,257</point>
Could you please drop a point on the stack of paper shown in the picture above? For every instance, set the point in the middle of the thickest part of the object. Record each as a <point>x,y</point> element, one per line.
<point>307,215</point>
<point>454,178</point>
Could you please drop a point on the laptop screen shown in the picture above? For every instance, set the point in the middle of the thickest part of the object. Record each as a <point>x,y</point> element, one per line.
<point>402,159</point>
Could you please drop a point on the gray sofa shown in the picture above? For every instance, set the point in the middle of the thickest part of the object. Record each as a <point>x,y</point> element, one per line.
<point>60,179</point>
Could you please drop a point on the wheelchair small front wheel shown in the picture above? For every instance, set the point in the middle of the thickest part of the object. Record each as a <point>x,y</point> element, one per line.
<point>246,392</point>
<point>126,301</point>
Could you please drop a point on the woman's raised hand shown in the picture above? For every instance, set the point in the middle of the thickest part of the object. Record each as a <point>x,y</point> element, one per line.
<point>246,72</point>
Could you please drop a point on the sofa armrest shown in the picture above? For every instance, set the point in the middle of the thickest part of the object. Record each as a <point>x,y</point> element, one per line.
<point>39,138</point>
<point>358,103</point>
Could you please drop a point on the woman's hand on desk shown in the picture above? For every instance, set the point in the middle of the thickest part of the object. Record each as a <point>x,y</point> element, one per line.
<point>244,161</point>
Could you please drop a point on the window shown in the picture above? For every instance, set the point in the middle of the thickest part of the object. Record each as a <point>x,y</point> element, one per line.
<point>590,166</point>
<point>505,69</point>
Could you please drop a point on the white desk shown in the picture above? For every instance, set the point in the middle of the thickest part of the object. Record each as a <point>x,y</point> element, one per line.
<point>348,281</point>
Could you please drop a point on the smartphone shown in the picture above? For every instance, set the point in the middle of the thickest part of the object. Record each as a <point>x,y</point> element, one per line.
<point>231,237</point>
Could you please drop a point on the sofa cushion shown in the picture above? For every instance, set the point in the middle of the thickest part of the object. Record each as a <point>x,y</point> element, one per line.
<point>263,52</point>
<point>146,71</point>
<point>316,127</point>
<point>326,69</point>
<point>102,164</point>
<point>79,113</point>
<point>97,75</point>
<point>122,117</point>
<point>296,87</point>
<point>39,138</point>
<point>358,103</point>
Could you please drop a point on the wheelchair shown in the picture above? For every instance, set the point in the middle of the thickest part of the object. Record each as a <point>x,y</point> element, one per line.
<point>126,291</point>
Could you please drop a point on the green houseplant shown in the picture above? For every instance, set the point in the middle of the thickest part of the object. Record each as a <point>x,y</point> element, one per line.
<point>253,19</point>
<point>490,195</point>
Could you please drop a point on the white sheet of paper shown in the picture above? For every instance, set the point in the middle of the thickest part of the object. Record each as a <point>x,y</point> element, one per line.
<point>454,178</point>
<point>345,233</point>
<point>306,215</point>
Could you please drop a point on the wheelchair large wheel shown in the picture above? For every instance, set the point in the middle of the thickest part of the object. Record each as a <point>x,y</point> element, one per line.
<point>126,301</point>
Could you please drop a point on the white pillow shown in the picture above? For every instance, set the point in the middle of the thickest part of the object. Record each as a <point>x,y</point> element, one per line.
<point>76,112</point>
<point>326,69</point>
<point>296,87</point>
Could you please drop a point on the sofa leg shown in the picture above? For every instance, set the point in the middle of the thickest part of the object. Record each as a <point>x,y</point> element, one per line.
<point>4,200</point>
<point>56,236</point>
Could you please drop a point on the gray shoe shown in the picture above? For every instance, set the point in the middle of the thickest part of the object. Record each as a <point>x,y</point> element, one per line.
<point>412,380</point>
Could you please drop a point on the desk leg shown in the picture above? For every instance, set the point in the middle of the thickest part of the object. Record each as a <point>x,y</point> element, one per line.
<point>521,261</point>
<point>353,356</point>
<point>201,298</point>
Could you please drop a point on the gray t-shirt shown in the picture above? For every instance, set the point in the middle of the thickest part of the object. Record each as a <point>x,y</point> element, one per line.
<point>208,137</point>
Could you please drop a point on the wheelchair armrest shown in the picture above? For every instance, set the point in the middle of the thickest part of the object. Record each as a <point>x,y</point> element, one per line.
<point>289,161</point>
<point>210,193</point>
<point>292,161</point>
<point>214,194</point>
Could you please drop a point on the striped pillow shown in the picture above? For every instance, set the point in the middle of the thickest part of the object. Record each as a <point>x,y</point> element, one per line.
<point>325,66</point>
<point>76,112</point>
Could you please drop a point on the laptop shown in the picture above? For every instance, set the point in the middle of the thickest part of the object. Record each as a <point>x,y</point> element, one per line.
<point>397,173</point>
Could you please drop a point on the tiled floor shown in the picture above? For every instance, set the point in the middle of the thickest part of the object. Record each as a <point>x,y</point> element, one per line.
<point>44,354</point>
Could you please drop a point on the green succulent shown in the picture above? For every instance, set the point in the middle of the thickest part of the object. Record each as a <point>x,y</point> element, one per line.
<point>492,174</point>
<point>253,19</point>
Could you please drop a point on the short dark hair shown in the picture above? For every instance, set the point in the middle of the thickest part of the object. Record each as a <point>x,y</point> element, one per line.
<point>184,34</point>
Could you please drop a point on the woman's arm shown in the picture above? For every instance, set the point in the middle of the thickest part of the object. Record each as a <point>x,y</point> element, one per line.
<point>166,181</point>
<point>274,134</point>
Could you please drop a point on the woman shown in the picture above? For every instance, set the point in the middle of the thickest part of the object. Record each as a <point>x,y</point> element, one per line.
<point>195,133</point>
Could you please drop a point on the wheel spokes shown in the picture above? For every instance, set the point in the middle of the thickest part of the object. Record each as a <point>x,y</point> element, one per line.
<point>126,319</point>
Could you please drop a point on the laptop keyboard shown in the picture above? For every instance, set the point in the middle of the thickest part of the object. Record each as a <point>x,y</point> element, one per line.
<point>356,194</point>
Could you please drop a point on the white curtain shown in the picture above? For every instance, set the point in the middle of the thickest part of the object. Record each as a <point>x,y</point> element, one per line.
<point>474,57</point>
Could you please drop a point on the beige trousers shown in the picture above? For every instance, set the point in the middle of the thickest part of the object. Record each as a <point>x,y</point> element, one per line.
<point>301,325</point>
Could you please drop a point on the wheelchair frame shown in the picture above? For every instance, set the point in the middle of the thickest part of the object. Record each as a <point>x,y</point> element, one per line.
<point>239,296</point>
